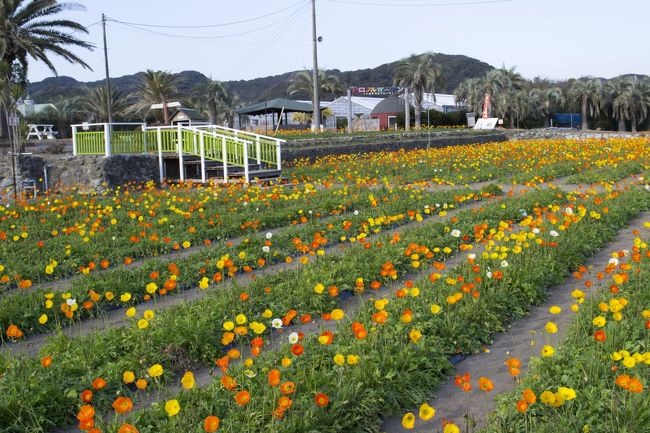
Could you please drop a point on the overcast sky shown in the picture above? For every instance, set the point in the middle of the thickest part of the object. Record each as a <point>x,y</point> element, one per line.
<point>548,38</point>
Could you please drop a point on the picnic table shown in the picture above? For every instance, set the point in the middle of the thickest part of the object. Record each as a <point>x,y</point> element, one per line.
<point>41,132</point>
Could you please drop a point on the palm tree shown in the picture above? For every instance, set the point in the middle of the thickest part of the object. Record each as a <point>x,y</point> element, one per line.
<point>644,94</point>
<point>545,99</point>
<point>156,87</point>
<point>303,83</point>
<point>211,97</point>
<point>419,74</point>
<point>586,94</point>
<point>620,95</point>
<point>30,28</point>
<point>95,103</point>
<point>65,112</point>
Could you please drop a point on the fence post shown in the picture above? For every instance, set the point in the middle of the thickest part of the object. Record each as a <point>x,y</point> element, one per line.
<point>277,149</point>
<point>224,154</point>
<point>160,156</point>
<point>246,174</point>
<point>179,144</point>
<point>74,140</point>
<point>258,150</point>
<point>107,139</point>
<point>202,149</point>
<point>144,137</point>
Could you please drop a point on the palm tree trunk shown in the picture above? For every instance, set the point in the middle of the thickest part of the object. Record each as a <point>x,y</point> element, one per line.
<point>621,124</point>
<point>165,113</point>
<point>418,113</point>
<point>512,121</point>
<point>633,122</point>
<point>584,115</point>
<point>647,125</point>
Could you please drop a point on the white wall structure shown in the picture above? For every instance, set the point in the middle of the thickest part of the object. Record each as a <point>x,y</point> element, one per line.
<point>443,102</point>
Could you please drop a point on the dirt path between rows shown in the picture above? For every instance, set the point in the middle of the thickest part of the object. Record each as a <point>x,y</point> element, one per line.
<point>450,402</point>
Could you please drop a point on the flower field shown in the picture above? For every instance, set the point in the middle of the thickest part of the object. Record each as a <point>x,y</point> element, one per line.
<point>339,301</point>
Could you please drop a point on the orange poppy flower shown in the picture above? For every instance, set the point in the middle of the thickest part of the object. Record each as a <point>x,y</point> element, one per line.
<point>321,399</point>
<point>211,424</point>
<point>529,396</point>
<point>287,388</point>
<point>242,398</point>
<point>122,405</point>
<point>297,349</point>
<point>522,406</point>
<point>485,384</point>
<point>87,396</point>
<point>46,361</point>
<point>86,412</point>
<point>99,383</point>
<point>274,377</point>
<point>228,382</point>
<point>600,336</point>
<point>127,428</point>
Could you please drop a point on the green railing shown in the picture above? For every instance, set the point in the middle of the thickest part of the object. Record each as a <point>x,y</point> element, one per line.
<point>240,147</point>
<point>268,146</point>
<point>90,143</point>
<point>125,142</point>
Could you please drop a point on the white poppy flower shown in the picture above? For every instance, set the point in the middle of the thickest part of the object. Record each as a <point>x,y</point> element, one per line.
<point>293,338</point>
<point>276,323</point>
<point>554,233</point>
<point>471,256</point>
<point>269,235</point>
<point>535,230</point>
<point>455,233</point>
<point>504,264</point>
<point>613,261</point>
<point>266,248</point>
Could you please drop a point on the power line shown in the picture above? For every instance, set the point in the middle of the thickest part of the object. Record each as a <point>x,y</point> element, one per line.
<point>214,25</point>
<point>250,58</point>
<point>172,35</point>
<point>373,3</point>
<point>217,41</point>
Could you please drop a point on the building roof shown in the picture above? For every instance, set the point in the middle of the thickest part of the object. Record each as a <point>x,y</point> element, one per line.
<point>392,104</point>
<point>188,114</point>
<point>276,105</point>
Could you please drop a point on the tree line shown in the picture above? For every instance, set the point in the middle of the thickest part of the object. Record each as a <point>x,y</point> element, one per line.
<point>155,87</point>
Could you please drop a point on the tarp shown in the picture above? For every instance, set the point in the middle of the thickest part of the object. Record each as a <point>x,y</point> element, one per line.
<point>276,106</point>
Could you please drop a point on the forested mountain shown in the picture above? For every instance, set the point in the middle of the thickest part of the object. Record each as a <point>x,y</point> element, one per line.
<point>454,68</point>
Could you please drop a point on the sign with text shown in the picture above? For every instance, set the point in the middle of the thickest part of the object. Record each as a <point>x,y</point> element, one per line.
<point>375,91</point>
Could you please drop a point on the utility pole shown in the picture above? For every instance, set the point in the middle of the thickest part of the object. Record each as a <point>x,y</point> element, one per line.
<point>109,94</point>
<point>349,110</point>
<point>315,121</point>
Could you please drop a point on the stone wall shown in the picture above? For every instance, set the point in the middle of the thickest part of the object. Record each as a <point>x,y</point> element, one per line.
<point>291,153</point>
<point>571,134</point>
<point>86,173</point>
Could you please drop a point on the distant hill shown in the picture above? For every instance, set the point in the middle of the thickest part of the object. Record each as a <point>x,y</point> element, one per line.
<point>454,68</point>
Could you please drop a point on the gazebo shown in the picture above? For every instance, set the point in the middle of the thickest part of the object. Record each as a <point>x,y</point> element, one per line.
<point>275,106</point>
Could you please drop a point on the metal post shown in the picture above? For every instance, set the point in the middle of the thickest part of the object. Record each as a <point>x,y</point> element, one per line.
<point>407,110</point>
<point>350,110</point>
<point>246,175</point>
<point>202,150</point>
<point>74,140</point>
<point>224,154</point>
<point>258,150</point>
<point>107,139</point>
<point>315,121</point>
<point>160,155</point>
<point>179,144</point>
<point>278,154</point>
